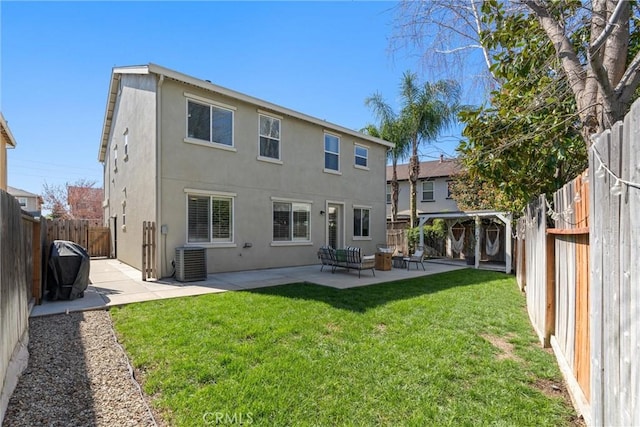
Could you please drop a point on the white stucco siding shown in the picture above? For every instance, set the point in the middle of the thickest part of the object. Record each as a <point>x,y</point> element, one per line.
<point>130,187</point>
<point>255,183</point>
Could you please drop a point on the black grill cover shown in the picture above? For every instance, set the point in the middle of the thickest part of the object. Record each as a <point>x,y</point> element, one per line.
<point>68,276</point>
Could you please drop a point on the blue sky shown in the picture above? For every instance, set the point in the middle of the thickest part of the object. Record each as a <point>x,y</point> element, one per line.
<point>319,58</point>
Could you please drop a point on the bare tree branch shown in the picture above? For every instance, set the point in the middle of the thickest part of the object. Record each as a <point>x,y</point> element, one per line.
<point>564,49</point>
<point>629,81</point>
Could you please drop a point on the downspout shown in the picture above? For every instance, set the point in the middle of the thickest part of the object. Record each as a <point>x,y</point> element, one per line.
<point>160,249</point>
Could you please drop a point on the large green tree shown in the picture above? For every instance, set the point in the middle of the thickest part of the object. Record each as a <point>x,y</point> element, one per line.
<point>426,110</point>
<point>560,71</point>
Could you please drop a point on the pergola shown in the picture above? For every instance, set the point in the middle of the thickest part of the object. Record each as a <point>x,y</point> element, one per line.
<point>477,216</point>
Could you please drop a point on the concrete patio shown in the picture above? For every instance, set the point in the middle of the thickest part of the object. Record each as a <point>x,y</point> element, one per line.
<point>114,283</point>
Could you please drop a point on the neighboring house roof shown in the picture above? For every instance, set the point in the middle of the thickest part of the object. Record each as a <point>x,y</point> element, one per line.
<point>17,192</point>
<point>7,136</point>
<point>433,169</point>
<point>167,73</point>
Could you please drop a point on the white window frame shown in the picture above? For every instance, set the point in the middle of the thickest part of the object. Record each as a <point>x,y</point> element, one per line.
<point>356,156</point>
<point>361,208</point>
<point>23,202</point>
<point>389,193</point>
<point>211,195</point>
<point>433,191</point>
<point>324,148</point>
<point>449,189</point>
<point>266,158</point>
<point>189,97</point>
<point>294,241</point>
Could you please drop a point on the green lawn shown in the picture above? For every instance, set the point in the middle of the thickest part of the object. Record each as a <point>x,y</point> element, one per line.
<point>449,349</point>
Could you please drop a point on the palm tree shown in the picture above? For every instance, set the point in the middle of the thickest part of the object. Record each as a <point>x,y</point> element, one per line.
<point>426,110</point>
<point>390,130</point>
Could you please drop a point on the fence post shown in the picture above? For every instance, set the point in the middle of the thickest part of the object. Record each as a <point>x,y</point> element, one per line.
<point>36,248</point>
<point>550,312</point>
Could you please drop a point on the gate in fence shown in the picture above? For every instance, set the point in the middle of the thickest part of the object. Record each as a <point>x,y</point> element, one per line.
<point>149,250</point>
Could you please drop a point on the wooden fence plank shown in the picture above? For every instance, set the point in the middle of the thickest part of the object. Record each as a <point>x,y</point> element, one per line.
<point>612,294</point>
<point>598,188</point>
<point>632,125</point>
<point>624,359</point>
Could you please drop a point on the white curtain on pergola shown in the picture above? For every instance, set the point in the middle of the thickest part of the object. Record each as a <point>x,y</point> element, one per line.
<point>504,217</point>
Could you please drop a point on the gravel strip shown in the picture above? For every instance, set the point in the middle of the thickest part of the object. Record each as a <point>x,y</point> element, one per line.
<point>78,375</point>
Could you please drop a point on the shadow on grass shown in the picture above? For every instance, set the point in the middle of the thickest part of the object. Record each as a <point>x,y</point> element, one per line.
<point>363,298</point>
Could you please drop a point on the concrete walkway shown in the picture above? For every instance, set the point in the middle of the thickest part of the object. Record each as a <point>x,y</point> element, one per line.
<point>114,283</point>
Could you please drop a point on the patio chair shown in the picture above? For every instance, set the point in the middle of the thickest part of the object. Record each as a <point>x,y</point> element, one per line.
<point>417,258</point>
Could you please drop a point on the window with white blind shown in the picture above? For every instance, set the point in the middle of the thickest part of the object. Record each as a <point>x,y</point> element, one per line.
<point>291,221</point>
<point>209,123</point>
<point>209,219</point>
<point>428,194</point>
<point>361,222</point>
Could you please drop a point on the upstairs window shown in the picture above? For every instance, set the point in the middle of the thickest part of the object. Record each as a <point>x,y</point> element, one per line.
<point>209,123</point>
<point>427,191</point>
<point>269,137</point>
<point>388,194</point>
<point>449,189</point>
<point>361,156</point>
<point>331,152</point>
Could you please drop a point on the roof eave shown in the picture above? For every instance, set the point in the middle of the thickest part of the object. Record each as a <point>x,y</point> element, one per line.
<point>116,72</point>
<point>11,141</point>
<point>157,69</point>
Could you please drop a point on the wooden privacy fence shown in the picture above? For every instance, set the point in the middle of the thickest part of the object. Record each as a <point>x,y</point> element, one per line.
<point>615,273</point>
<point>96,240</point>
<point>534,231</point>
<point>582,277</point>
<point>148,250</point>
<point>73,230</point>
<point>569,243</point>
<point>19,283</point>
<point>99,242</point>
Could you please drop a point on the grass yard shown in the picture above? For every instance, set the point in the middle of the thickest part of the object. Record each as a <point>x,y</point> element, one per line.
<point>450,349</point>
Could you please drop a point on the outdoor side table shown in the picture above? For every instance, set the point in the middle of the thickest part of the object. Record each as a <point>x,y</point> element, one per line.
<point>398,261</point>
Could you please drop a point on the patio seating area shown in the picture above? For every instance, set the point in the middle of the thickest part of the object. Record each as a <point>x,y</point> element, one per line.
<point>350,258</point>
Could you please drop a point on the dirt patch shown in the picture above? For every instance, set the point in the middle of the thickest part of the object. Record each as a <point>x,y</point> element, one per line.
<point>507,350</point>
<point>558,389</point>
<point>381,327</point>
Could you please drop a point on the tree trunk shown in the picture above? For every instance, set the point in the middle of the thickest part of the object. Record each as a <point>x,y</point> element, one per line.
<point>394,191</point>
<point>414,171</point>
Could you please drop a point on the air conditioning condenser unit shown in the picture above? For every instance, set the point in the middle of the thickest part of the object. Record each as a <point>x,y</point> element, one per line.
<point>191,264</point>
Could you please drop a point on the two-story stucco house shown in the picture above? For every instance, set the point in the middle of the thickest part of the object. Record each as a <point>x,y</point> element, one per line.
<point>256,184</point>
<point>29,202</point>
<point>434,193</point>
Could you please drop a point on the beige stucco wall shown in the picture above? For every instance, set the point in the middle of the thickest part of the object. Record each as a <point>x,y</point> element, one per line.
<point>132,185</point>
<point>440,204</point>
<point>300,176</point>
